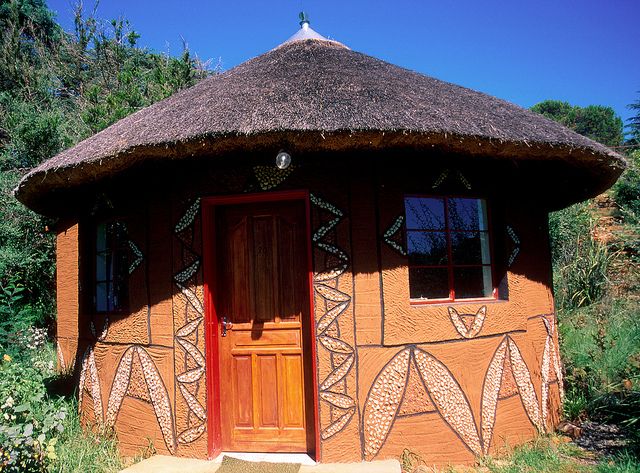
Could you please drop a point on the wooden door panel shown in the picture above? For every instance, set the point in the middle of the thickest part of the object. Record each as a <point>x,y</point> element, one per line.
<point>262,287</point>
<point>293,392</point>
<point>243,391</point>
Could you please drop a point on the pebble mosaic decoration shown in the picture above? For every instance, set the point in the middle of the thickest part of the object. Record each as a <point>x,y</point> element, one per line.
<point>90,382</point>
<point>471,328</point>
<point>551,368</point>
<point>440,392</point>
<point>149,389</point>
<point>269,177</point>
<point>515,242</point>
<point>189,335</point>
<point>394,235</point>
<point>333,388</point>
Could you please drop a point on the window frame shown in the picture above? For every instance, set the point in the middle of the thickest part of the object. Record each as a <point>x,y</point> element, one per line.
<point>92,279</point>
<point>450,266</point>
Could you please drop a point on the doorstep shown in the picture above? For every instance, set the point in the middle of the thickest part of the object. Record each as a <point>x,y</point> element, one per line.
<point>169,464</point>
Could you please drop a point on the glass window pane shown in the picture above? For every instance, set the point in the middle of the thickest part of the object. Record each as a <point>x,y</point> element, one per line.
<point>472,282</point>
<point>101,297</point>
<point>101,237</point>
<point>101,267</point>
<point>467,214</point>
<point>427,248</point>
<point>428,283</point>
<point>470,248</point>
<point>424,213</point>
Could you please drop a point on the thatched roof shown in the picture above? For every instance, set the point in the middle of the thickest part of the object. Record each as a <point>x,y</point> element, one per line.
<point>314,94</point>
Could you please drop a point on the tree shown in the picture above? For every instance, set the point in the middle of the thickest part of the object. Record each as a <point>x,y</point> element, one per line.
<point>597,122</point>
<point>634,122</point>
<point>57,88</point>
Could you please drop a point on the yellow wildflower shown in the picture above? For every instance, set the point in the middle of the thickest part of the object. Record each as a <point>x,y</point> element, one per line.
<point>6,358</point>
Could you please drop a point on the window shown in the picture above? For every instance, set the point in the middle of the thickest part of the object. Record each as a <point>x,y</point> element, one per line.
<point>111,267</point>
<point>448,248</point>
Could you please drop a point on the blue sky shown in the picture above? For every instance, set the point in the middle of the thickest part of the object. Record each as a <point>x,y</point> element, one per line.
<point>581,51</point>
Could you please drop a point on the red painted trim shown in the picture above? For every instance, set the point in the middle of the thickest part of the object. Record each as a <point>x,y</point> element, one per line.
<point>212,322</point>
<point>211,333</point>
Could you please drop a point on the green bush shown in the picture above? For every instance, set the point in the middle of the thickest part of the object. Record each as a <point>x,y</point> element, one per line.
<point>580,262</point>
<point>30,423</point>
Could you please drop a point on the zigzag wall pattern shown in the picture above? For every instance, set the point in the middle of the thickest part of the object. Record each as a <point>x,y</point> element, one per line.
<point>333,389</point>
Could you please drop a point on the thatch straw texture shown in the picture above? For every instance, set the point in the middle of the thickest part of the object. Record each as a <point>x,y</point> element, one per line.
<point>315,95</point>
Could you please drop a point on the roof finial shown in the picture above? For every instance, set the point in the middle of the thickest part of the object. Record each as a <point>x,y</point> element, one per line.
<point>304,19</point>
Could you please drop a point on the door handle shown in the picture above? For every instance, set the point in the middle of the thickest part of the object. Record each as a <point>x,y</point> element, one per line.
<point>226,325</point>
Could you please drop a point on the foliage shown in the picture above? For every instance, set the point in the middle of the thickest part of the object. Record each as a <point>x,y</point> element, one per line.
<point>551,454</point>
<point>597,122</point>
<point>634,122</point>
<point>57,88</point>
<point>580,262</point>
<point>29,422</point>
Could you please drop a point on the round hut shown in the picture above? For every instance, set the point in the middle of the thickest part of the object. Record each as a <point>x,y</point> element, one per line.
<point>319,252</point>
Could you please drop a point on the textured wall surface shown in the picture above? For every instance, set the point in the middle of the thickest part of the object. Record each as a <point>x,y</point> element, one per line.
<point>447,381</point>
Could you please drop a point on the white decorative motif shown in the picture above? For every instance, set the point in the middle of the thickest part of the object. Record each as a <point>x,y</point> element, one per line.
<point>336,302</point>
<point>550,361</point>
<point>138,256</point>
<point>516,248</point>
<point>189,216</point>
<point>158,396</point>
<point>191,368</point>
<point>388,235</point>
<point>461,327</point>
<point>89,376</point>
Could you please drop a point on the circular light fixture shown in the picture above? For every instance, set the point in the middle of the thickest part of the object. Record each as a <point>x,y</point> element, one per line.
<point>283,160</point>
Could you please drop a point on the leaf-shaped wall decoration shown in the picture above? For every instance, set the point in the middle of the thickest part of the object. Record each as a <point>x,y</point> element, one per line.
<point>383,401</point>
<point>337,425</point>
<point>189,328</point>
<point>339,400</point>
<point>337,374</point>
<point>490,391</point>
<point>331,315</point>
<point>193,403</point>
<point>448,397</point>
<point>331,294</point>
<point>119,386</point>
<point>525,386</point>
<point>191,298</point>
<point>335,345</point>
<point>476,325</point>
<point>192,434</point>
<point>89,374</point>
<point>192,350</point>
<point>544,388</point>
<point>191,376</point>
<point>159,398</point>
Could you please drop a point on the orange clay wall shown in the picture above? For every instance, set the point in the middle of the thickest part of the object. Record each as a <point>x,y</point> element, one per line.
<point>448,381</point>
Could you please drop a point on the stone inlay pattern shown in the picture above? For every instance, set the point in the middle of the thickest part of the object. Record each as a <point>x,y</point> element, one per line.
<point>188,315</point>
<point>390,387</point>
<point>444,175</point>
<point>333,389</point>
<point>394,236</point>
<point>515,248</point>
<point>269,177</point>
<point>551,367</point>
<point>468,329</point>
<point>506,375</point>
<point>152,390</point>
<point>90,382</point>
<point>507,364</point>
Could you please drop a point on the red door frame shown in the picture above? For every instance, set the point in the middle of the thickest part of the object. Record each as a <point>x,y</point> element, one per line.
<point>212,323</point>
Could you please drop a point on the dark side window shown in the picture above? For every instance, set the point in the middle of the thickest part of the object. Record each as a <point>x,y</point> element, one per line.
<point>110,292</point>
<point>448,244</point>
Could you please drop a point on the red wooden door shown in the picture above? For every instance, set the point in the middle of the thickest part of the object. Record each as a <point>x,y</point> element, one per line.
<point>263,309</point>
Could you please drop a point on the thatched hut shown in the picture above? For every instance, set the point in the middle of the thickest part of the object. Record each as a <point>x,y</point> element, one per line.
<point>384,283</point>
